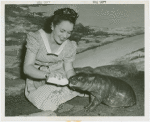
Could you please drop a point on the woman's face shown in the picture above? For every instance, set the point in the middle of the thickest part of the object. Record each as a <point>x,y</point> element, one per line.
<point>62,31</point>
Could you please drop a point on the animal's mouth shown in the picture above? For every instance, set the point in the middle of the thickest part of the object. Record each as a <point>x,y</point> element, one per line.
<point>72,86</point>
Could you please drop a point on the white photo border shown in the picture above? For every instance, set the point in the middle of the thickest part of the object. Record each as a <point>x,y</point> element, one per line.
<point>78,119</point>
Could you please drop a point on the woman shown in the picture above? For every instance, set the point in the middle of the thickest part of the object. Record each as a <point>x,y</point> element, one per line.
<point>50,54</point>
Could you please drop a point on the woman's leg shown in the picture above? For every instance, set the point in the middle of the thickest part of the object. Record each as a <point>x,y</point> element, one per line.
<point>49,97</point>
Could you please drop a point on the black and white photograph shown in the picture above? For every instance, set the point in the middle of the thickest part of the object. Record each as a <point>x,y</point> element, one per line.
<point>68,60</point>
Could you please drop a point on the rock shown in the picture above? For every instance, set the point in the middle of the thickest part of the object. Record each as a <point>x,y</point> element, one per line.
<point>10,76</point>
<point>118,70</point>
<point>14,90</point>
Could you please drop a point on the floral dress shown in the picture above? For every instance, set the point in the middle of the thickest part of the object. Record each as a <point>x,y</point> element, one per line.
<point>47,96</point>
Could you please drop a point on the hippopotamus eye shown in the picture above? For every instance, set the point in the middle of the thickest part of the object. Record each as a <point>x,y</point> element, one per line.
<point>80,78</point>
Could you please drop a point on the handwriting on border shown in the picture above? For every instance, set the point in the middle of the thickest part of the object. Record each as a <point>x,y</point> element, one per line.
<point>43,2</point>
<point>99,2</point>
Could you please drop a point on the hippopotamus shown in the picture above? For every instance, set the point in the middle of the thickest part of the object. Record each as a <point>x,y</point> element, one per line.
<point>109,90</point>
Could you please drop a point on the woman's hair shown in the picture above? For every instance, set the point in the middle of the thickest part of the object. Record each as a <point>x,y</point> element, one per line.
<point>59,16</point>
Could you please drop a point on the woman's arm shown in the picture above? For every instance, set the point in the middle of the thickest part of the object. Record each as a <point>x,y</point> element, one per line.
<point>69,69</point>
<point>29,68</point>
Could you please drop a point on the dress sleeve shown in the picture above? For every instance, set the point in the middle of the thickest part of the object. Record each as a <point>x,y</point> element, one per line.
<point>71,52</point>
<point>32,42</point>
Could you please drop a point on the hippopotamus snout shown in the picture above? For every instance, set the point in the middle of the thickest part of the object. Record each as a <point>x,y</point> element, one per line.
<point>77,81</point>
<point>76,78</point>
<point>72,80</point>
